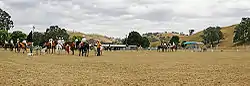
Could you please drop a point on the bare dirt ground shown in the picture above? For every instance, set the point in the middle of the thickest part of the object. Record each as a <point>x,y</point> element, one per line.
<point>127,68</point>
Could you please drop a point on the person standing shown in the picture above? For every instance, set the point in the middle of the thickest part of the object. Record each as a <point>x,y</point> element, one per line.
<point>99,48</point>
<point>67,48</point>
<point>76,40</point>
<point>25,43</point>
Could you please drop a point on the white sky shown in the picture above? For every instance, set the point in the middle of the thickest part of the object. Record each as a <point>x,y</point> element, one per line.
<point>118,17</point>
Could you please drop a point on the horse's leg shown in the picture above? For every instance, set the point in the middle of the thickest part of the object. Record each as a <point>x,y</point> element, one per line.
<point>87,53</point>
<point>18,49</point>
<point>73,51</point>
<point>23,50</point>
<point>83,52</point>
<point>79,52</point>
<point>51,50</point>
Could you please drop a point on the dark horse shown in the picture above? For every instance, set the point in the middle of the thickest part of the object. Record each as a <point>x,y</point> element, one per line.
<point>162,47</point>
<point>11,46</point>
<point>84,49</point>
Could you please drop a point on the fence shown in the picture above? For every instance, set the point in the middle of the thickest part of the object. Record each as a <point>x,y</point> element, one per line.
<point>227,49</point>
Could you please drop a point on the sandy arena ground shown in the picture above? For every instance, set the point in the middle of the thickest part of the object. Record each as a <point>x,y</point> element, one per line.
<point>127,68</point>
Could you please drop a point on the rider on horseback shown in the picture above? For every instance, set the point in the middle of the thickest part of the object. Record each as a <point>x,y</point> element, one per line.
<point>24,43</point>
<point>84,47</point>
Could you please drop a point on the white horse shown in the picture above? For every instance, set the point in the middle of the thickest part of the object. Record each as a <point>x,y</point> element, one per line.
<point>59,48</point>
<point>95,50</point>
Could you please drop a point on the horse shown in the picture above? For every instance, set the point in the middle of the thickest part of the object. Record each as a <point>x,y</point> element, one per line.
<point>9,45</point>
<point>94,47</point>
<point>70,46</point>
<point>50,46</point>
<point>21,46</point>
<point>159,48</point>
<point>162,47</point>
<point>172,48</point>
<point>84,49</point>
<point>59,48</point>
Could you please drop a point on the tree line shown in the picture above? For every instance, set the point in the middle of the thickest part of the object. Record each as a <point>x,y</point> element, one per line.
<point>213,35</point>
<point>6,24</point>
<point>242,32</point>
<point>38,38</point>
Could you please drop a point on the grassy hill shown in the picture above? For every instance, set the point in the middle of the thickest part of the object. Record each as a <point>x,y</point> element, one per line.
<point>227,31</point>
<point>166,35</point>
<point>92,36</point>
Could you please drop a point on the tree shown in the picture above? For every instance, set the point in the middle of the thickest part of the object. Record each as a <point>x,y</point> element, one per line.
<point>4,36</point>
<point>191,32</point>
<point>39,38</point>
<point>18,35</point>
<point>54,32</point>
<point>183,45</point>
<point>145,42</point>
<point>134,38</point>
<point>242,31</point>
<point>212,35</point>
<point>124,41</point>
<point>76,37</point>
<point>5,20</point>
<point>175,39</point>
<point>30,37</point>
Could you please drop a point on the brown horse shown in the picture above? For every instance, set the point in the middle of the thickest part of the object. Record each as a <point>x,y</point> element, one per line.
<point>70,46</point>
<point>173,48</point>
<point>22,46</point>
<point>50,46</point>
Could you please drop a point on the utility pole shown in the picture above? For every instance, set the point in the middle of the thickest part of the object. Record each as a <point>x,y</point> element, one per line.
<point>32,36</point>
<point>126,39</point>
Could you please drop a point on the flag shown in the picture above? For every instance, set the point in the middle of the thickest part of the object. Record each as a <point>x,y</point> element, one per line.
<point>29,37</point>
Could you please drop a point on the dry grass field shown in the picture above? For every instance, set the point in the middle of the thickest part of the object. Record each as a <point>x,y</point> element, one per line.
<point>127,68</point>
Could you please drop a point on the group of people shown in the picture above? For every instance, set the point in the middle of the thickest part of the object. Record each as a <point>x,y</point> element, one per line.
<point>18,46</point>
<point>167,47</point>
<point>57,46</point>
<point>82,45</point>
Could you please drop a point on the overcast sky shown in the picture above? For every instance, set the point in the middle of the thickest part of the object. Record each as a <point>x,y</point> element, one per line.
<point>118,17</point>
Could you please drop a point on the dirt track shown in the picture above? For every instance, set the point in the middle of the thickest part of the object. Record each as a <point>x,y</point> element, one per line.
<point>127,68</point>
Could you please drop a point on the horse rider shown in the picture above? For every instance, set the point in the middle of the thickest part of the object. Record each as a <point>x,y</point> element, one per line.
<point>98,48</point>
<point>59,41</point>
<point>83,48</point>
<point>6,42</point>
<point>25,43</point>
<point>84,38</point>
<point>50,41</point>
<point>62,41</point>
<point>17,42</point>
<point>76,40</point>
<point>67,48</point>
<point>11,41</point>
